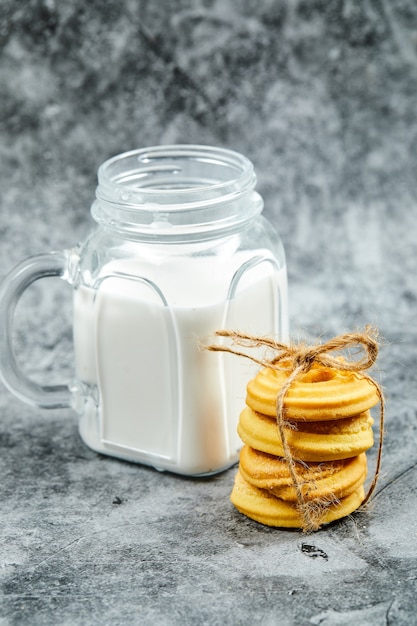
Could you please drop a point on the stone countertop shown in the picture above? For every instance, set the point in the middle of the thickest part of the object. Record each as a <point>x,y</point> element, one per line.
<point>321,96</point>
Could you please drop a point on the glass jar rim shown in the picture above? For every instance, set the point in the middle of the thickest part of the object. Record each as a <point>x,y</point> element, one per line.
<point>123,176</point>
<point>188,186</point>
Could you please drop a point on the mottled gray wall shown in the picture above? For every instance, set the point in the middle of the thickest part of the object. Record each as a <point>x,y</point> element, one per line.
<point>320,95</point>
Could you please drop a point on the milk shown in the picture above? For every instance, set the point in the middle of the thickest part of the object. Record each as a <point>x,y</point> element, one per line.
<point>151,393</point>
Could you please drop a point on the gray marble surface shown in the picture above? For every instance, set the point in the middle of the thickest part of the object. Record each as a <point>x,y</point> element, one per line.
<point>321,96</point>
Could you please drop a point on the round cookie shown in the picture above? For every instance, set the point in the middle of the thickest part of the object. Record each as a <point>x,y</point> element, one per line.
<point>308,441</point>
<point>335,479</point>
<point>263,507</point>
<point>323,393</point>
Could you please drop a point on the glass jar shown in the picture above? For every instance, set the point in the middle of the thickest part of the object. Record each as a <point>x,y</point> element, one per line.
<point>180,250</point>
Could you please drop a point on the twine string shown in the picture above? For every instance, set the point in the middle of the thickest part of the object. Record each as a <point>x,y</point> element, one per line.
<point>298,359</point>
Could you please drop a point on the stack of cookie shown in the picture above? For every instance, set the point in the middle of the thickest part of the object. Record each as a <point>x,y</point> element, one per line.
<point>328,428</point>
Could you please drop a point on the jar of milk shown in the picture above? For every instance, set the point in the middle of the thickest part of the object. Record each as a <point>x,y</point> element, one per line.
<point>180,250</point>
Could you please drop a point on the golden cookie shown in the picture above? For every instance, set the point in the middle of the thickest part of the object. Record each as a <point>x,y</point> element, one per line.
<point>321,394</point>
<point>263,507</point>
<point>308,441</point>
<point>318,480</point>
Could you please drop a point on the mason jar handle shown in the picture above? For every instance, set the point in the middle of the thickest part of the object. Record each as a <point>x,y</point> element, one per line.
<point>18,280</point>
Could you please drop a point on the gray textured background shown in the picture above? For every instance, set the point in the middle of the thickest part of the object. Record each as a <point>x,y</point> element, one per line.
<point>322,97</point>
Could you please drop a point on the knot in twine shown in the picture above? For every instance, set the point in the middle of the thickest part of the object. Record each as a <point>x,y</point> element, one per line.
<point>298,359</point>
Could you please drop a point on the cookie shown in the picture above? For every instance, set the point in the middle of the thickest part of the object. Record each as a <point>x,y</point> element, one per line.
<point>321,394</point>
<point>308,441</point>
<point>334,479</point>
<point>265,508</point>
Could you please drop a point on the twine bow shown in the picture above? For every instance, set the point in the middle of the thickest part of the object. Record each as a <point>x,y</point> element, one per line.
<point>298,359</point>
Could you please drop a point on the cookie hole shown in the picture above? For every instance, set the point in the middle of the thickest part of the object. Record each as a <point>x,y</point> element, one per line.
<point>319,376</point>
